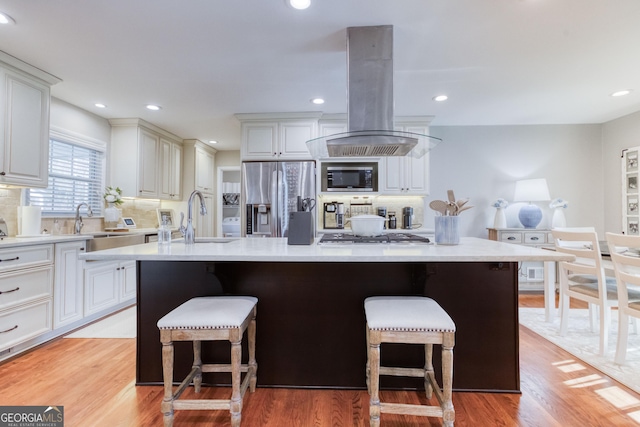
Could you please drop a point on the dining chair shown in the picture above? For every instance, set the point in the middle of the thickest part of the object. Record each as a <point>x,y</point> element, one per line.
<point>584,279</point>
<point>625,255</point>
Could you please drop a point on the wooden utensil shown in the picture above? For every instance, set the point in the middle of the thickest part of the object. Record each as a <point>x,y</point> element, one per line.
<point>464,208</point>
<point>452,199</point>
<point>439,206</point>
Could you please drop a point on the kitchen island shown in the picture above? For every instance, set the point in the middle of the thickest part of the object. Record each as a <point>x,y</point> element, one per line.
<point>310,310</point>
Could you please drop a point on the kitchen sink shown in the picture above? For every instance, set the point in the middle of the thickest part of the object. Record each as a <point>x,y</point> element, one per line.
<point>110,241</point>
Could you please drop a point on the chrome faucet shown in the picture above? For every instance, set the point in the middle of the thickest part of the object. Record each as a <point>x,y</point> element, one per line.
<point>78,225</point>
<point>188,231</point>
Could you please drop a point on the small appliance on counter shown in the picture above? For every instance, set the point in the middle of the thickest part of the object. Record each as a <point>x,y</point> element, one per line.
<point>382,211</point>
<point>392,220</point>
<point>333,215</point>
<point>407,217</point>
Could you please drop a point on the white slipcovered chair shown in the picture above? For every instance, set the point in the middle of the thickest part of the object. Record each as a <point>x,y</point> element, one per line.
<point>625,255</point>
<point>584,278</point>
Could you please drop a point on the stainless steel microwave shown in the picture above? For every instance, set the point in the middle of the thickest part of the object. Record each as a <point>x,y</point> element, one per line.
<point>349,177</point>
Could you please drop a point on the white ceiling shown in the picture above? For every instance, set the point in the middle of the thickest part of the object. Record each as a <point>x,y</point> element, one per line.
<point>500,61</point>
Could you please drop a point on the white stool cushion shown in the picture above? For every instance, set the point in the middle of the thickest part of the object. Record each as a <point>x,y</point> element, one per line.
<point>414,314</point>
<point>223,312</point>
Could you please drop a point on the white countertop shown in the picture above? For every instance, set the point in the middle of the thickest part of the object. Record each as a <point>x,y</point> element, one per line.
<point>470,249</point>
<point>7,242</point>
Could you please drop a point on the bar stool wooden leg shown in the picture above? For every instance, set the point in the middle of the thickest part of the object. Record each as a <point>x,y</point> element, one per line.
<point>253,365</point>
<point>448,413</point>
<point>197,364</point>
<point>367,368</point>
<point>167,369</point>
<point>374,378</point>
<point>236,397</point>
<point>428,369</point>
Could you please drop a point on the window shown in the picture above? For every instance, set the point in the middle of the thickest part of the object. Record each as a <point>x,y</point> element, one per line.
<point>75,176</point>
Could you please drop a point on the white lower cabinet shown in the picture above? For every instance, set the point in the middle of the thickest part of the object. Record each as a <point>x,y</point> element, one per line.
<point>107,284</point>
<point>128,280</point>
<point>23,323</point>
<point>68,286</point>
<point>26,291</point>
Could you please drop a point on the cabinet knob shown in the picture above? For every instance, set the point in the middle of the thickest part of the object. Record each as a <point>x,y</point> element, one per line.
<point>2,173</point>
<point>82,249</point>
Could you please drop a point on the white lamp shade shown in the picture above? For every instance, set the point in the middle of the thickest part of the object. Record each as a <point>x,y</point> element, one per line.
<point>531,190</point>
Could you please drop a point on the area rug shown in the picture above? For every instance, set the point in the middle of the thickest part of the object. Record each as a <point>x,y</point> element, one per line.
<point>119,325</point>
<point>583,344</point>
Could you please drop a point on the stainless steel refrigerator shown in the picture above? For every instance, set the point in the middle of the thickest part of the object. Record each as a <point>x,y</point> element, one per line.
<point>271,191</point>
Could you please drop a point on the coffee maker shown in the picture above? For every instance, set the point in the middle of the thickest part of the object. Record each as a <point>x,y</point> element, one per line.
<point>333,215</point>
<point>407,215</point>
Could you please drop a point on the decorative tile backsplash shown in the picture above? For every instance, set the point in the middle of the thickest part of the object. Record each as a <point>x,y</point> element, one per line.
<point>359,205</point>
<point>143,211</point>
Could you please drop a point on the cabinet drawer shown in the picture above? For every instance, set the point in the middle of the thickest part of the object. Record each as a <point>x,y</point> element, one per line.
<point>25,256</point>
<point>23,286</point>
<point>535,238</point>
<point>511,237</point>
<point>24,323</point>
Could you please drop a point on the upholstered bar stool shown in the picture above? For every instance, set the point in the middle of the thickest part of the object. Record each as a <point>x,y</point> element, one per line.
<point>209,319</point>
<point>410,320</point>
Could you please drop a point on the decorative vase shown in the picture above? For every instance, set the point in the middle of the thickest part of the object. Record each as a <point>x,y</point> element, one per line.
<point>558,219</point>
<point>500,221</point>
<point>111,215</point>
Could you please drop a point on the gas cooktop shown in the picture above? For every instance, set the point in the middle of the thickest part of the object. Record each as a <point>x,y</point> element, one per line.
<point>346,238</point>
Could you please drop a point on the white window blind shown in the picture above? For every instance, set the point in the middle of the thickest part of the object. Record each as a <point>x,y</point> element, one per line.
<point>75,176</point>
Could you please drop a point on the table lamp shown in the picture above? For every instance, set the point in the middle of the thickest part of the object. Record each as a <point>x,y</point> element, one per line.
<point>531,190</point>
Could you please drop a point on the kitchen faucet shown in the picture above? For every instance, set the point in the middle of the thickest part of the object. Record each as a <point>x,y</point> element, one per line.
<point>188,232</point>
<point>78,225</point>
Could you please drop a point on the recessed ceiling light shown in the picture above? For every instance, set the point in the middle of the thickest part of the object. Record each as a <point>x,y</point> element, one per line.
<point>440,98</point>
<point>100,105</point>
<point>317,101</point>
<point>300,4</point>
<point>6,19</point>
<point>621,92</point>
<point>153,107</point>
<point>213,141</point>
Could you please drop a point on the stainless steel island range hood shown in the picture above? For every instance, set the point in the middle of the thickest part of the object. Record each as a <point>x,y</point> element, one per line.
<point>370,103</point>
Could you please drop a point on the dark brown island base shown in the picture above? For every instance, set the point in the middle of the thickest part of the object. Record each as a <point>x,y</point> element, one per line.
<point>311,323</point>
<point>311,326</point>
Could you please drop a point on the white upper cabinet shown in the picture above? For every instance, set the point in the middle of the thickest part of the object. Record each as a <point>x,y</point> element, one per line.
<point>24,123</point>
<point>199,174</point>
<point>205,166</point>
<point>406,175</point>
<point>143,160</point>
<point>171,175</point>
<point>277,137</point>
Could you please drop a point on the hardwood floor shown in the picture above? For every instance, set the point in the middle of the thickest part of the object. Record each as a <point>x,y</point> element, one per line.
<point>94,380</point>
